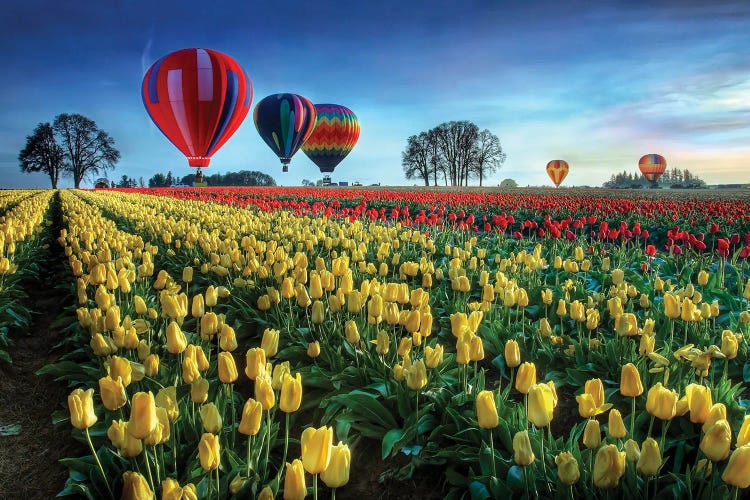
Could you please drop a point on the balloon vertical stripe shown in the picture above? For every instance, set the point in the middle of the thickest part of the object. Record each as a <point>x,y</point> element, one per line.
<point>652,166</point>
<point>284,122</point>
<point>557,171</point>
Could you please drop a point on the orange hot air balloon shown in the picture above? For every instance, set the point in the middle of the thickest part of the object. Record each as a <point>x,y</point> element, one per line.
<point>557,171</point>
<point>652,166</point>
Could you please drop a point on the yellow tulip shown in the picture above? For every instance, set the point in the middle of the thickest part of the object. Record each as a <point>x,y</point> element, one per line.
<point>433,357</point>
<point>351,331</point>
<point>718,411</point>
<point>199,391</point>
<point>227,368</point>
<point>462,352</point>
<point>212,296</point>
<point>699,401</point>
<point>672,307</point>
<point>661,402</point>
<point>616,427</point>
<point>382,343</point>
<point>729,344</point>
<point>512,354</point>
<point>139,305</point>
<point>317,314</point>
<point>316,449</point>
<point>592,435</point>
<point>112,393</point>
<point>632,451</point>
<point>294,481</point>
<point>526,377</point>
<point>459,324</point>
<point>209,451</point>
<point>416,376</point>
<point>486,410</point>
<point>649,461</point>
<point>264,392</point>
<point>630,381</point>
<point>255,362</point>
<point>270,342</point>
<point>167,398</point>
<point>743,436</point>
<point>197,308</point>
<point>609,466</point>
<point>577,311</point>
<point>227,338</point>
<point>251,417</point>
<point>81,406</point>
<point>737,473</point>
<point>291,393</point>
<point>567,468</point>
<point>142,415</point>
<point>121,368</point>
<point>717,441</point>
<point>135,487</point>
<point>476,349</point>
<point>337,473</point>
<point>541,405</point>
<point>211,418</point>
<point>523,455</point>
<point>160,434</point>
<point>176,341</point>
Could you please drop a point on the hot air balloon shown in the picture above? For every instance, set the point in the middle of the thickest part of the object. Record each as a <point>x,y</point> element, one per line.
<point>198,98</point>
<point>336,132</point>
<point>557,171</point>
<point>285,122</point>
<point>652,166</point>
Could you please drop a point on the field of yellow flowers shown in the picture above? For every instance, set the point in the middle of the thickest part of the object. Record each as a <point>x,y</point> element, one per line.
<point>227,349</point>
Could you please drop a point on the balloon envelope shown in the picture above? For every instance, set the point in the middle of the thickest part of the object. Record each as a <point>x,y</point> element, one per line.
<point>557,171</point>
<point>335,134</point>
<point>198,98</point>
<point>652,166</point>
<point>285,122</point>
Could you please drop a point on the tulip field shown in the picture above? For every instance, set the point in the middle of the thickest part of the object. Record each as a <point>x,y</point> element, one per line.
<point>287,342</point>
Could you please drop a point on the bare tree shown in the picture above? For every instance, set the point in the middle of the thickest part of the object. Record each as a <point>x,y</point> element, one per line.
<point>456,143</point>
<point>416,158</point>
<point>42,153</point>
<point>488,155</point>
<point>88,149</point>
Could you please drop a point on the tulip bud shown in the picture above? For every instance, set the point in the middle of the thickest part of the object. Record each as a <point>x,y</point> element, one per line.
<point>135,487</point>
<point>198,308</point>
<point>416,376</point>
<point>523,455</point>
<point>486,410</point>
<point>337,473</point>
<point>351,331</point>
<point>112,393</point>
<point>630,381</point>
<point>632,451</point>
<point>209,452</point>
<point>291,393</point>
<point>718,411</point>
<point>251,417</point>
<point>227,368</point>
<point>699,402</point>
<point>81,406</point>
<point>616,427</point>
<point>316,449</point>
<point>512,354</point>
<point>199,390</point>
<point>142,415</point>
<point>609,466</point>
<point>661,402</point>
<point>255,359</point>
<point>433,357</point>
<point>592,435</point>
<point>151,365</point>
<point>737,473</point>
<point>526,377</point>
<point>717,441</point>
<point>541,405</point>
<point>476,349</point>
<point>166,398</point>
<point>264,392</point>
<point>672,307</point>
<point>121,368</point>
<point>313,349</point>
<point>176,341</point>
<point>294,481</point>
<point>729,344</point>
<point>382,343</point>
<point>567,468</point>
<point>211,418</point>
<point>270,342</point>
<point>649,461</point>
<point>743,436</point>
<point>212,296</point>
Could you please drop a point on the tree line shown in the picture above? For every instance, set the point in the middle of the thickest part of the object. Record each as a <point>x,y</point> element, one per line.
<point>72,145</point>
<point>453,152</point>
<point>241,178</point>
<point>673,178</point>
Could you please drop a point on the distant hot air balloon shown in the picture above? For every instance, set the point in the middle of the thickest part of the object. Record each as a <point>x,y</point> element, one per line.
<point>557,171</point>
<point>198,98</point>
<point>336,132</point>
<point>285,122</point>
<point>652,166</point>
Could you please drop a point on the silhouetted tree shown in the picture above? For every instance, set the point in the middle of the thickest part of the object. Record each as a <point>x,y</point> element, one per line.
<point>88,149</point>
<point>488,155</point>
<point>42,153</point>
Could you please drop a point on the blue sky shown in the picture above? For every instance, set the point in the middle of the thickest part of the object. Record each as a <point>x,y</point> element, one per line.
<point>595,83</point>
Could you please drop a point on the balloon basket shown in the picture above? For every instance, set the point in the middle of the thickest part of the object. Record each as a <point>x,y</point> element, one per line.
<point>285,168</point>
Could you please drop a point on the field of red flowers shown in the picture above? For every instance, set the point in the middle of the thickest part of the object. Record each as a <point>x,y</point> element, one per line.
<point>285,342</point>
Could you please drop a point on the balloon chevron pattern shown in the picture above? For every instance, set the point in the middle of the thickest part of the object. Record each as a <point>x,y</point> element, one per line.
<point>336,132</point>
<point>557,171</point>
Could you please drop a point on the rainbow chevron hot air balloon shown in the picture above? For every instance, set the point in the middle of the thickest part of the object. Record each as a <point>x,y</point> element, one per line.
<point>557,171</point>
<point>336,132</point>
<point>652,166</point>
<point>285,122</point>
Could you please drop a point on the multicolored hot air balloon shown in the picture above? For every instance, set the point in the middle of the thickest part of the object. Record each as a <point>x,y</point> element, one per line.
<point>285,122</point>
<point>652,166</point>
<point>557,171</point>
<point>336,132</point>
<point>198,99</point>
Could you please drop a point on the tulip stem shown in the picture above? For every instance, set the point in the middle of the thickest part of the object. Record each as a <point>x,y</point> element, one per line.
<point>268,444</point>
<point>416,427</point>
<point>632,419</point>
<point>96,457</point>
<point>156,463</point>
<point>148,468</point>
<point>544,464</point>
<point>333,494</point>
<point>315,487</point>
<point>286,440</point>
<point>218,484</point>
<point>249,453</point>
<point>492,449</point>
